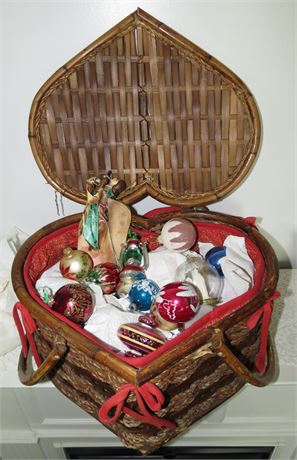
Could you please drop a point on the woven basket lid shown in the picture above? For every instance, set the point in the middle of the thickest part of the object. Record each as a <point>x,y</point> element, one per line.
<point>152,107</point>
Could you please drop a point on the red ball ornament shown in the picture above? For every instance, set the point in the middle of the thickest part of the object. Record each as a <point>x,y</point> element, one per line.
<point>178,234</point>
<point>176,303</point>
<point>106,275</point>
<point>74,301</point>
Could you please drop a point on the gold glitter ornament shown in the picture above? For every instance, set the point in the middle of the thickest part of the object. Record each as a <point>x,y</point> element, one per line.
<point>75,264</point>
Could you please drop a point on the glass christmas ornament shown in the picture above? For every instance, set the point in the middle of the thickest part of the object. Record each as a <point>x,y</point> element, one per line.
<point>46,294</point>
<point>178,234</point>
<point>128,276</point>
<point>74,301</point>
<point>149,319</point>
<point>203,276</point>
<point>75,264</point>
<point>134,252</point>
<point>214,256</point>
<point>140,337</point>
<point>106,275</point>
<point>142,294</point>
<point>176,303</point>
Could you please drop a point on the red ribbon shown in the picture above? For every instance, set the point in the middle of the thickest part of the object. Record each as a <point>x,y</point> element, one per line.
<point>30,327</point>
<point>147,395</point>
<point>266,312</point>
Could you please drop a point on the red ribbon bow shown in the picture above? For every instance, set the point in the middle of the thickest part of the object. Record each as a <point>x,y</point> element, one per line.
<point>147,395</point>
<point>30,327</point>
<point>266,312</point>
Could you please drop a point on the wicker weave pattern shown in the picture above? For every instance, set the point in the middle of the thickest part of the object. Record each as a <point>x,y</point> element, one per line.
<point>151,109</point>
<point>186,403</point>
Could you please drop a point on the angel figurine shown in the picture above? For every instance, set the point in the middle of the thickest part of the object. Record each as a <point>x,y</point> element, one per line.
<point>105,222</point>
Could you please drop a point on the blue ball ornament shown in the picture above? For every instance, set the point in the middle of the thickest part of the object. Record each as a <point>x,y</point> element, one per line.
<point>142,294</point>
<point>214,256</point>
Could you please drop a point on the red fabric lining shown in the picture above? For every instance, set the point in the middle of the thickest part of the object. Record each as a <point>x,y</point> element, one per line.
<point>48,251</point>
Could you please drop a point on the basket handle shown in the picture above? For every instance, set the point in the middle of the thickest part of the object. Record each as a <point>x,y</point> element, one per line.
<point>30,377</point>
<point>260,380</point>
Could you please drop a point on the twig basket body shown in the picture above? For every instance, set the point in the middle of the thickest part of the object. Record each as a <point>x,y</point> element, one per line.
<point>194,376</point>
<point>175,124</point>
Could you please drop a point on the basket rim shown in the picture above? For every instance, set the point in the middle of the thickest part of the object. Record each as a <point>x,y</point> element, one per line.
<point>126,370</point>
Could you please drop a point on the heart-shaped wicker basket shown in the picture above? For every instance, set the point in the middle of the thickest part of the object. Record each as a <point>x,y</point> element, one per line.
<point>173,122</point>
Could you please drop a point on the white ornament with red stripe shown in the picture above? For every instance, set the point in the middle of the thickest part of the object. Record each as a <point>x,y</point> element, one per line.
<point>178,234</point>
<point>175,304</point>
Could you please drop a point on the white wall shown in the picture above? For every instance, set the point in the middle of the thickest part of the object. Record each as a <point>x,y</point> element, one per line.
<point>1,129</point>
<point>254,38</point>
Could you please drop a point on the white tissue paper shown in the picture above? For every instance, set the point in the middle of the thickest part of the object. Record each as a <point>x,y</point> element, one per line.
<point>105,322</point>
<point>53,279</point>
<point>107,317</point>
<point>237,267</point>
<point>163,264</point>
<point>9,245</point>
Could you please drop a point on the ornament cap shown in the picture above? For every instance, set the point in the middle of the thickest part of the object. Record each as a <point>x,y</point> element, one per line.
<point>68,252</point>
<point>133,307</point>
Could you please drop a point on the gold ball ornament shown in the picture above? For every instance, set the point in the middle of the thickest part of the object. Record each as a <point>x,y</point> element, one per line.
<point>75,264</point>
